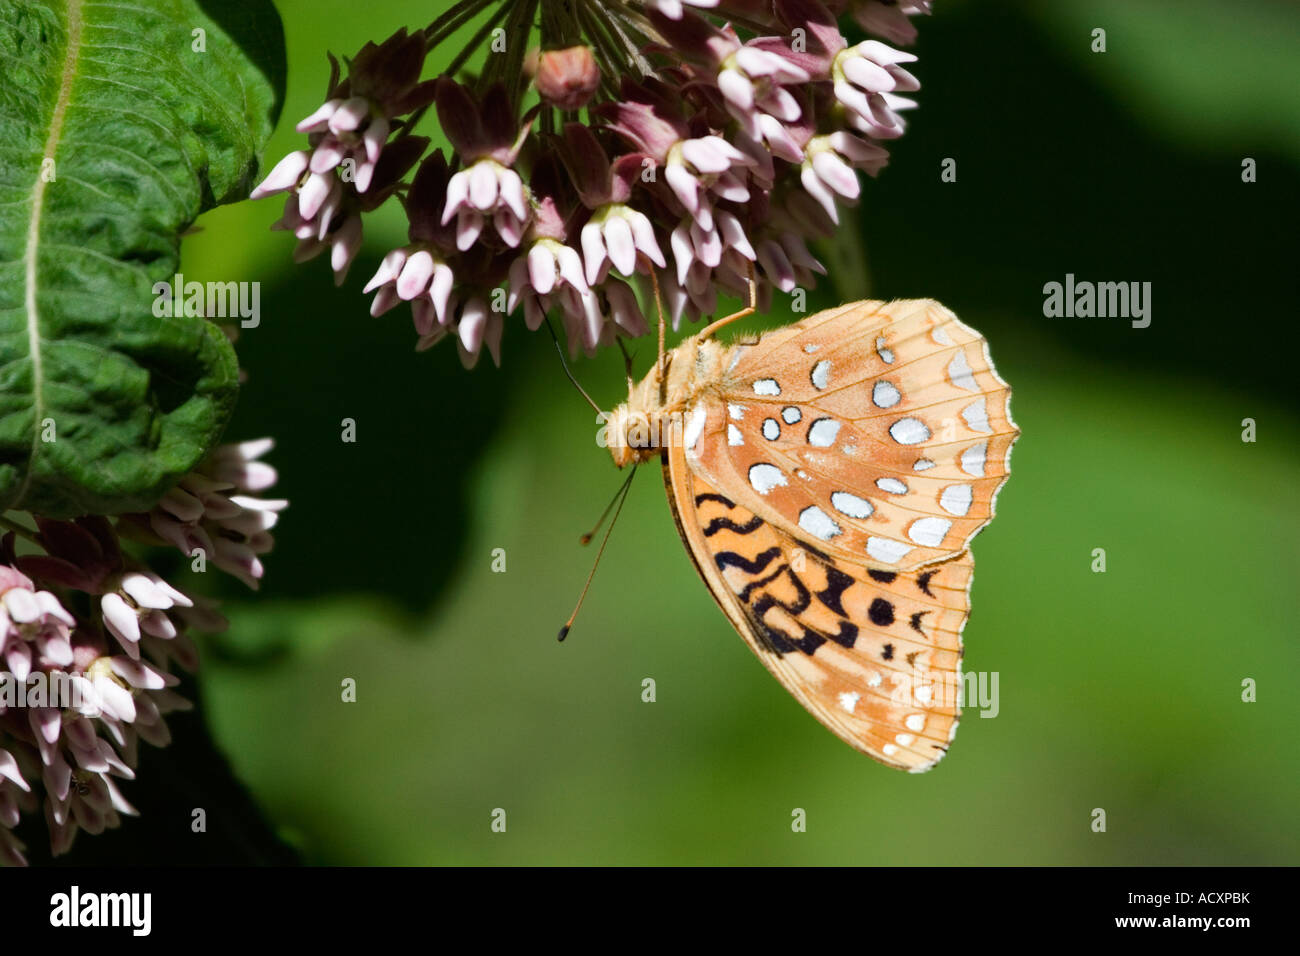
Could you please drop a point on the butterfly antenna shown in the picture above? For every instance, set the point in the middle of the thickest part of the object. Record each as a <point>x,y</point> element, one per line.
<point>586,538</point>
<point>620,497</point>
<point>565,365</point>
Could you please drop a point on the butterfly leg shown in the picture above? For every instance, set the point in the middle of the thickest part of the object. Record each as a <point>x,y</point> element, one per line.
<point>627,365</point>
<point>660,363</point>
<point>712,329</point>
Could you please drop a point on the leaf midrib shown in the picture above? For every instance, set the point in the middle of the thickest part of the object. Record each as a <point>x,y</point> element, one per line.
<point>71,53</point>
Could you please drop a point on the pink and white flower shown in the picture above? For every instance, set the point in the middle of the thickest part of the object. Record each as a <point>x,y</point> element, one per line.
<point>347,130</point>
<point>34,627</point>
<point>612,237</point>
<point>415,274</point>
<point>549,276</point>
<point>701,169</point>
<point>787,263</point>
<point>214,510</point>
<point>486,190</point>
<point>137,608</point>
<point>673,9</point>
<point>474,324</point>
<point>889,18</point>
<point>828,168</point>
<point>867,80</point>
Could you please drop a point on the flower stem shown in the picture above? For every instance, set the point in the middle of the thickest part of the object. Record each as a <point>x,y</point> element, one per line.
<point>560,27</point>
<point>638,23</point>
<point>519,30</point>
<point>477,40</point>
<point>615,57</point>
<point>19,529</point>
<point>451,21</point>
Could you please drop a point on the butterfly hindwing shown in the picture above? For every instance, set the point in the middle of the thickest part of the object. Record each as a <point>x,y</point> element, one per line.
<point>878,432</point>
<point>874,655</point>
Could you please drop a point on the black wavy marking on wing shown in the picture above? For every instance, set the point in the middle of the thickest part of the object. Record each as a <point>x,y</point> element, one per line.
<point>923,581</point>
<point>777,642</point>
<point>730,559</point>
<point>717,524</point>
<point>780,643</point>
<point>752,586</point>
<point>766,602</point>
<point>711,496</point>
<point>837,582</point>
<point>773,640</point>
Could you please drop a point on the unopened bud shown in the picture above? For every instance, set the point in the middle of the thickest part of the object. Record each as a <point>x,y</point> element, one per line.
<point>567,78</point>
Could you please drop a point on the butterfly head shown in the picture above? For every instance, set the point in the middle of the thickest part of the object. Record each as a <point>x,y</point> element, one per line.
<point>636,434</point>
<point>660,408</point>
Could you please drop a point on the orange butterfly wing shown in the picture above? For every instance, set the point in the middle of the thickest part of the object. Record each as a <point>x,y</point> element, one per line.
<point>874,655</point>
<point>879,432</point>
<point>829,480</point>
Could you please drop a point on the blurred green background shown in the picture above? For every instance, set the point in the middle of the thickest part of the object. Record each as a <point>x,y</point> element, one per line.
<point>1119,690</point>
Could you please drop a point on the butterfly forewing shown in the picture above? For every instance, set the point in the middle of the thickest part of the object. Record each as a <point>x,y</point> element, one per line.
<point>878,432</point>
<point>874,655</point>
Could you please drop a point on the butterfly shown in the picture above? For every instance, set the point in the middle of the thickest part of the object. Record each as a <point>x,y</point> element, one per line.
<point>827,479</point>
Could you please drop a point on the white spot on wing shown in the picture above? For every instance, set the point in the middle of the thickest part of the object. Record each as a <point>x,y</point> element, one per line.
<point>915,722</point>
<point>892,485</point>
<point>972,459</point>
<point>817,522</point>
<point>734,437</point>
<point>959,373</point>
<point>695,425</point>
<point>822,432</point>
<point>736,411</point>
<point>735,356</point>
<point>956,499</point>
<point>765,477</point>
<point>909,431</point>
<point>922,464</point>
<point>885,354</point>
<point>821,374</point>
<point>904,740</point>
<point>850,700</point>
<point>767,386</point>
<point>850,504</point>
<point>771,430</point>
<point>887,550</point>
<point>977,415</point>
<point>810,349</point>
<point>940,335</point>
<point>889,750</point>
<point>885,394</point>
<point>791,415</point>
<point>874,679</point>
<point>929,531</point>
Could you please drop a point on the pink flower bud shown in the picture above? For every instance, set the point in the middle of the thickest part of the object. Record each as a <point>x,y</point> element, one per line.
<point>567,78</point>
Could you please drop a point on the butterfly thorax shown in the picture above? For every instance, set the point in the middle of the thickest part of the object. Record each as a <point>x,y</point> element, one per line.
<point>655,415</point>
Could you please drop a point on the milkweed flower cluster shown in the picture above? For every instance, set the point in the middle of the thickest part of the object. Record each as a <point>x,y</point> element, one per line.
<point>679,147</point>
<point>91,639</point>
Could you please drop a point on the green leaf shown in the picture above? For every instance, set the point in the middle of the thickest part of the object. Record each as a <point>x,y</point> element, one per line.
<point>119,125</point>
